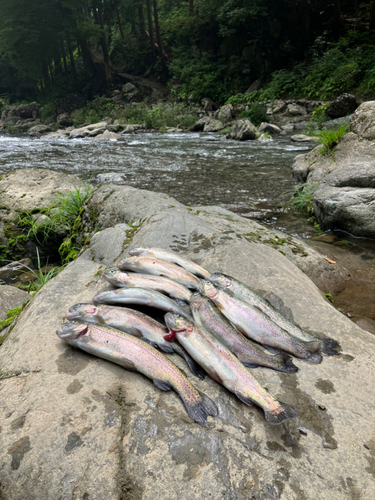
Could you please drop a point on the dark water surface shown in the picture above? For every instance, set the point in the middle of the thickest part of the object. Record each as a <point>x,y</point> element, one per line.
<point>204,169</point>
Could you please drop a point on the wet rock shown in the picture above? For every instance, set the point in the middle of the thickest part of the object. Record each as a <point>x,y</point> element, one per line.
<point>200,124</point>
<point>303,138</point>
<point>64,120</point>
<point>13,268</point>
<point>89,130</point>
<point>10,298</point>
<point>363,121</point>
<point>109,431</point>
<point>264,138</point>
<point>226,113</point>
<point>288,128</point>
<point>269,128</point>
<point>243,130</point>
<point>107,136</point>
<point>130,129</point>
<point>111,178</point>
<point>39,129</point>
<point>213,126</point>
<point>344,105</point>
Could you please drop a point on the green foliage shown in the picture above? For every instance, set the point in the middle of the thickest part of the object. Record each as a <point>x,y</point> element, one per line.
<point>330,138</point>
<point>11,316</point>
<point>301,200</point>
<point>256,114</point>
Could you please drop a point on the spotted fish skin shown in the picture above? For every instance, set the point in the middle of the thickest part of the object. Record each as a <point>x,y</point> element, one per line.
<point>140,296</point>
<point>241,291</point>
<point>208,316</point>
<point>226,369</point>
<point>257,326</point>
<point>134,323</point>
<point>151,265</point>
<point>135,355</point>
<point>172,257</point>
<point>158,283</point>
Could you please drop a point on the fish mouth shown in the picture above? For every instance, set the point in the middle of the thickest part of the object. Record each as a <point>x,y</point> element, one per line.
<point>71,315</point>
<point>67,332</point>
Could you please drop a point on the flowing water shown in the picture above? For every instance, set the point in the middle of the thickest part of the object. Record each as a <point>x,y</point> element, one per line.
<point>249,178</point>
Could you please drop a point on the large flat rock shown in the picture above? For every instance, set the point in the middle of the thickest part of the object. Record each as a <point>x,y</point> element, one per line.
<point>77,427</point>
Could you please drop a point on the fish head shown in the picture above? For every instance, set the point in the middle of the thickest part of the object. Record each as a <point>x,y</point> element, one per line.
<point>221,280</point>
<point>80,311</point>
<point>72,330</point>
<point>137,251</point>
<point>113,275</point>
<point>196,300</point>
<point>207,289</point>
<point>100,297</point>
<point>176,324</point>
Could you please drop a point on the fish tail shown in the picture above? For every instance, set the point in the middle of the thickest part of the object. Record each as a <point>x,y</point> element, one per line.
<point>313,346</point>
<point>199,412</point>
<point>284,413</point>
<point>287,364</point>
<point>194,367</point>
<point>329,347</point>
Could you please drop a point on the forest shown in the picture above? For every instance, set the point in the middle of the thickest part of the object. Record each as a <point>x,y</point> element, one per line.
<point>199,48</point>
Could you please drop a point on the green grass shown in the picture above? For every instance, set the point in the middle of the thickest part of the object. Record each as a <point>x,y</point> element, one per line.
<point>330,138</point>
<point>40,277</point>
<point>302,199</point>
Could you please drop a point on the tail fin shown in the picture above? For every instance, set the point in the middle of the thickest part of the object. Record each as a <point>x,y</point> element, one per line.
<point>194,367</point>
<point>286,412</point>
<point>199,412</point>
<point>313,346</point>
<point>329,347</point>
<point>287,364</point>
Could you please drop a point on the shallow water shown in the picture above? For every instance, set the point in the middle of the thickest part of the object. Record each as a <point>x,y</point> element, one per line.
<point>204,169</point>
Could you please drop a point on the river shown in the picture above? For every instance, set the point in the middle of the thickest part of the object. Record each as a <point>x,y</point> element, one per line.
<point>249,178</point>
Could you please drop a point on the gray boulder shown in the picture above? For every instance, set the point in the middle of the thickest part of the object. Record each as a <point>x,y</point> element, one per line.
<point>277,106</point>
<point>107,136</point>
<point>303,138</point>
<point>363,121</point>
<point>64,120</point>
<point>344,105</point>
<point>243,130</point>
<point>213,126</point>
<point>200,124</point>
<point>256,85</point>
<point>128,88</point>
<point>296,110</point>
<point>269,128</point>
<point>226,113</point>
<point>10,298</point>
<point>89,130</point>
<point>98,432</point>
<point>131,128</point>
<point>39,129</point>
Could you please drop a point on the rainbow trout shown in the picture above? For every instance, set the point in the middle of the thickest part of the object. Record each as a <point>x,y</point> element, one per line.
<point>151,265</point>
<point>158,283</point>
<point>135,355</point>
<point>143,297</point>
<point>208,316</point>
<point>238,289</point>
<point>257,326</point>
<point>225,368</point>
<point>134,323</point>
<point>162,254</point>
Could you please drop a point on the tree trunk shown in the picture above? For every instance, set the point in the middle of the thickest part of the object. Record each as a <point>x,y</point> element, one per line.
<point>355,5</point>
<point>337,26</point>
<point>103,42</point>
<point>87,58</point>
<point>119,23</point>
<point>150,29</point>
<point>158,38</point>
<point>72,62</point>
<point>63,57</point>
<point>141,20</point>
<point>372,16</point>
<point>191,6</point>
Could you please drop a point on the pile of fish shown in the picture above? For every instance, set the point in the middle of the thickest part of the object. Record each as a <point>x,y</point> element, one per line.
<point>216,323</point>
